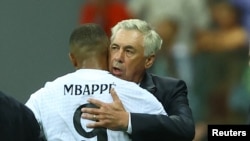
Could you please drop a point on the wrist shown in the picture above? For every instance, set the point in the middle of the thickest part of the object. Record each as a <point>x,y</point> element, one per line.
<point>125,121</point>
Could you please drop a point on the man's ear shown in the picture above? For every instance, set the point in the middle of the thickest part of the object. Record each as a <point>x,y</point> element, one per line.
<point>73,59</point>
<point>149,61</point>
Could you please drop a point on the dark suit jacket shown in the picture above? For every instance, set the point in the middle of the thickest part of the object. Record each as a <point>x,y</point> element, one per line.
<point>178,126</point>
<point>17,122</point>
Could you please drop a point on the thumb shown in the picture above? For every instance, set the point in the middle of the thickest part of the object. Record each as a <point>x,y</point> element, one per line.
<point>114,95</point>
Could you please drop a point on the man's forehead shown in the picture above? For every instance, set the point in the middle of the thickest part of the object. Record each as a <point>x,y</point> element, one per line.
<point>128,38</point>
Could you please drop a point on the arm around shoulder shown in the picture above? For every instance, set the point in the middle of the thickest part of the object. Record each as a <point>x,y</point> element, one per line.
<point>178,125</point>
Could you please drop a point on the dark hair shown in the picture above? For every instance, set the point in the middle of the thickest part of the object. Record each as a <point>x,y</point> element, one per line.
<point>89,35</point>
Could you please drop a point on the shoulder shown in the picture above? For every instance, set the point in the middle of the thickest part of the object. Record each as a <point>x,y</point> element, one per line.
<point>14,109</point>
<point>54,83</point>
<point>8,102</point>
<point>164,78</point>
<point>127,85</point>
<point>171,82</point>
<point>163,86</point>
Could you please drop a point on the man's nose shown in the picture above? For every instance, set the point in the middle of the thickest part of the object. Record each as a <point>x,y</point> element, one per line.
<point>119,56</point>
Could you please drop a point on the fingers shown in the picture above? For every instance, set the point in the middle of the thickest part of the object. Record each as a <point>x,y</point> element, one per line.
<point>94,125</point>
<point>96,102</point>
<point>90,116</point>
<point>94,117</point>
<point>100,121</point>
<point>92,111</point>
<point>114,94</point>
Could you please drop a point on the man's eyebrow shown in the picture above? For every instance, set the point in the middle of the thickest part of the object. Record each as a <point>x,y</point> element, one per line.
<point>125,47</point>
<point>129,47</point>
<point>114,44</point>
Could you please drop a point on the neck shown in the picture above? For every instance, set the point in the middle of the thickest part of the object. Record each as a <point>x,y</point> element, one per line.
<point>93,63</point>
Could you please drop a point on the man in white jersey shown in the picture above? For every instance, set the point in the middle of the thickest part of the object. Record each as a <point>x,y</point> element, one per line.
<point>57,106</point>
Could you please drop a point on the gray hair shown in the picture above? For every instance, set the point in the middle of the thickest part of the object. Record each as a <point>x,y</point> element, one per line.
<point>152,41</point>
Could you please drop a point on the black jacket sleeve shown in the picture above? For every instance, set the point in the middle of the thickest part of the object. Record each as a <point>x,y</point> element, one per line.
<point>17,122</point>
<point>178,125</point>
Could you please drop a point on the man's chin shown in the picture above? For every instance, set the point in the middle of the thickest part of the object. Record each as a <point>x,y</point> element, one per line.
<point>117,73</point>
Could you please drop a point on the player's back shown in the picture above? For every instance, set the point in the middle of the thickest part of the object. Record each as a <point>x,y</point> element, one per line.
<point>57,105</point>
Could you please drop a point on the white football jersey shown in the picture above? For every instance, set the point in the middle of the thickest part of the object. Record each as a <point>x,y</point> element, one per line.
<point>57,105</point>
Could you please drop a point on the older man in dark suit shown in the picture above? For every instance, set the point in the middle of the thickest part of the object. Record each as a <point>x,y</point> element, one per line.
<point>132,51</point>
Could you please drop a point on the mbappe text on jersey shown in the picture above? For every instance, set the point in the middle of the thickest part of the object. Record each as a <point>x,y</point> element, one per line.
<point>87,89</point>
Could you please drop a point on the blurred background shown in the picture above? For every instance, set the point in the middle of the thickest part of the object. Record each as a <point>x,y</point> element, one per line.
<point>205,43</point>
